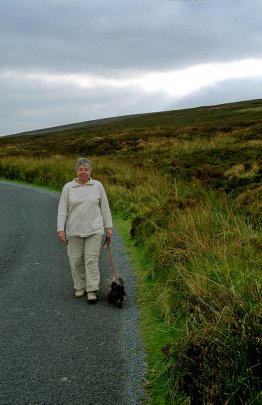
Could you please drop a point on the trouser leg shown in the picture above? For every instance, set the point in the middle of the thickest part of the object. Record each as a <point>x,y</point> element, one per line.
<point>92,251</point>
<point>75,251</point>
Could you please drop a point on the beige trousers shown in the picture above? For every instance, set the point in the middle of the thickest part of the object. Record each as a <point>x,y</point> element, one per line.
<point>83,254</point>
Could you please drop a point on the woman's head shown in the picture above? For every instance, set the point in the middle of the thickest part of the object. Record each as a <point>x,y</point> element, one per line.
<point>83,170</point>
<point>83,161</point>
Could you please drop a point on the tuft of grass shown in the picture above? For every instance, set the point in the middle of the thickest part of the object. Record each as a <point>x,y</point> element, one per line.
<point>217,362</point>
<point>43,172</point>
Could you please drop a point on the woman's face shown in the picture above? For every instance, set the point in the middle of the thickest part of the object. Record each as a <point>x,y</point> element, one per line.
<point>83,173</point>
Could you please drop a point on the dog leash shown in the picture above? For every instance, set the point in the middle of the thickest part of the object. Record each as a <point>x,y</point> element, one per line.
<point>107,243</point>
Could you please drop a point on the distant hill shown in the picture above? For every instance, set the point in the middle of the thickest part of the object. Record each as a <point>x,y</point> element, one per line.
<point>84,124</point>
<point>124,134</point>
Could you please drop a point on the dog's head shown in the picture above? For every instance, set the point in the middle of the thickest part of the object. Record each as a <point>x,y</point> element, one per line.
<point>117,290</point>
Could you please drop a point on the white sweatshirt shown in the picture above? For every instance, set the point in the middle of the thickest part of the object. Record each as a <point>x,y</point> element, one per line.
<point>83,209</point>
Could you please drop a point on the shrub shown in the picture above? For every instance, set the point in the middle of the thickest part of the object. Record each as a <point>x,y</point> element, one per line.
<point>218,363</point>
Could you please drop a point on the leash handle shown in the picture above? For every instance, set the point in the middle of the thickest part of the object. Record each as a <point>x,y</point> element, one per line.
<point>107,242</point>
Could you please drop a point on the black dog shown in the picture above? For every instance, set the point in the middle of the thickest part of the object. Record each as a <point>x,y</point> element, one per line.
<point>116,291</point>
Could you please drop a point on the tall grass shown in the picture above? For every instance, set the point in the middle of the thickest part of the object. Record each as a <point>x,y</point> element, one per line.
<point>199,277</point>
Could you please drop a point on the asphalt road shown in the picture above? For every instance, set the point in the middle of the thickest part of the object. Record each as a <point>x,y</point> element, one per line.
<point>55,348</point>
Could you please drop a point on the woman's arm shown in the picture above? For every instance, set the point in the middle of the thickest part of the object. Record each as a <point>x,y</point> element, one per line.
<point>62,214</point>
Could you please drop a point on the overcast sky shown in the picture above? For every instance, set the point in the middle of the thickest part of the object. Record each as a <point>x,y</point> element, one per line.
<point>67,61</point>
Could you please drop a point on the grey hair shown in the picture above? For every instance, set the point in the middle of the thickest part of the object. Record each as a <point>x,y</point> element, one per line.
<point>83,161</point>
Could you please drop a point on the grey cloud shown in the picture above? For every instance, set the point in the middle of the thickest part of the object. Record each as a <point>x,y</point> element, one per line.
<point>225,91</point>
<point>108,36</point>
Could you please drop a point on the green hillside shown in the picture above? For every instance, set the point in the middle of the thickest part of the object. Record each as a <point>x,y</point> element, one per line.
<point>185,190</point>
<point>125,134</point>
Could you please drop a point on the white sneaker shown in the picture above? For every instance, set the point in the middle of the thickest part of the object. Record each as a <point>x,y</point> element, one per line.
<point>91,296</point>
<point>80,293</point>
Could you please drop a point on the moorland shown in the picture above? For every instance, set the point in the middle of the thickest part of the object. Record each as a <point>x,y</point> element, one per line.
<point>185,190</point>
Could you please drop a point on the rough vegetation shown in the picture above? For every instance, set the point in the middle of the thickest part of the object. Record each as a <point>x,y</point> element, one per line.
<point>185,189</point>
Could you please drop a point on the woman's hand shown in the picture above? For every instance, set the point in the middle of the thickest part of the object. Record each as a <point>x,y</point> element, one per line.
<point>109,232</point>
<point>61,236</point>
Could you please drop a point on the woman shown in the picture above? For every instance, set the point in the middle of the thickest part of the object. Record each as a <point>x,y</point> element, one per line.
<point>83,214</point>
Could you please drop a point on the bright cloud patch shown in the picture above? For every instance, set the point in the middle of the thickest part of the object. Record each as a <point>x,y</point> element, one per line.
<point>179,83</point>
<point>176,83</point>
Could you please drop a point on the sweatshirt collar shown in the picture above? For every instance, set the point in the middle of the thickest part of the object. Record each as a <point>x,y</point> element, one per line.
<point>76,184</point>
